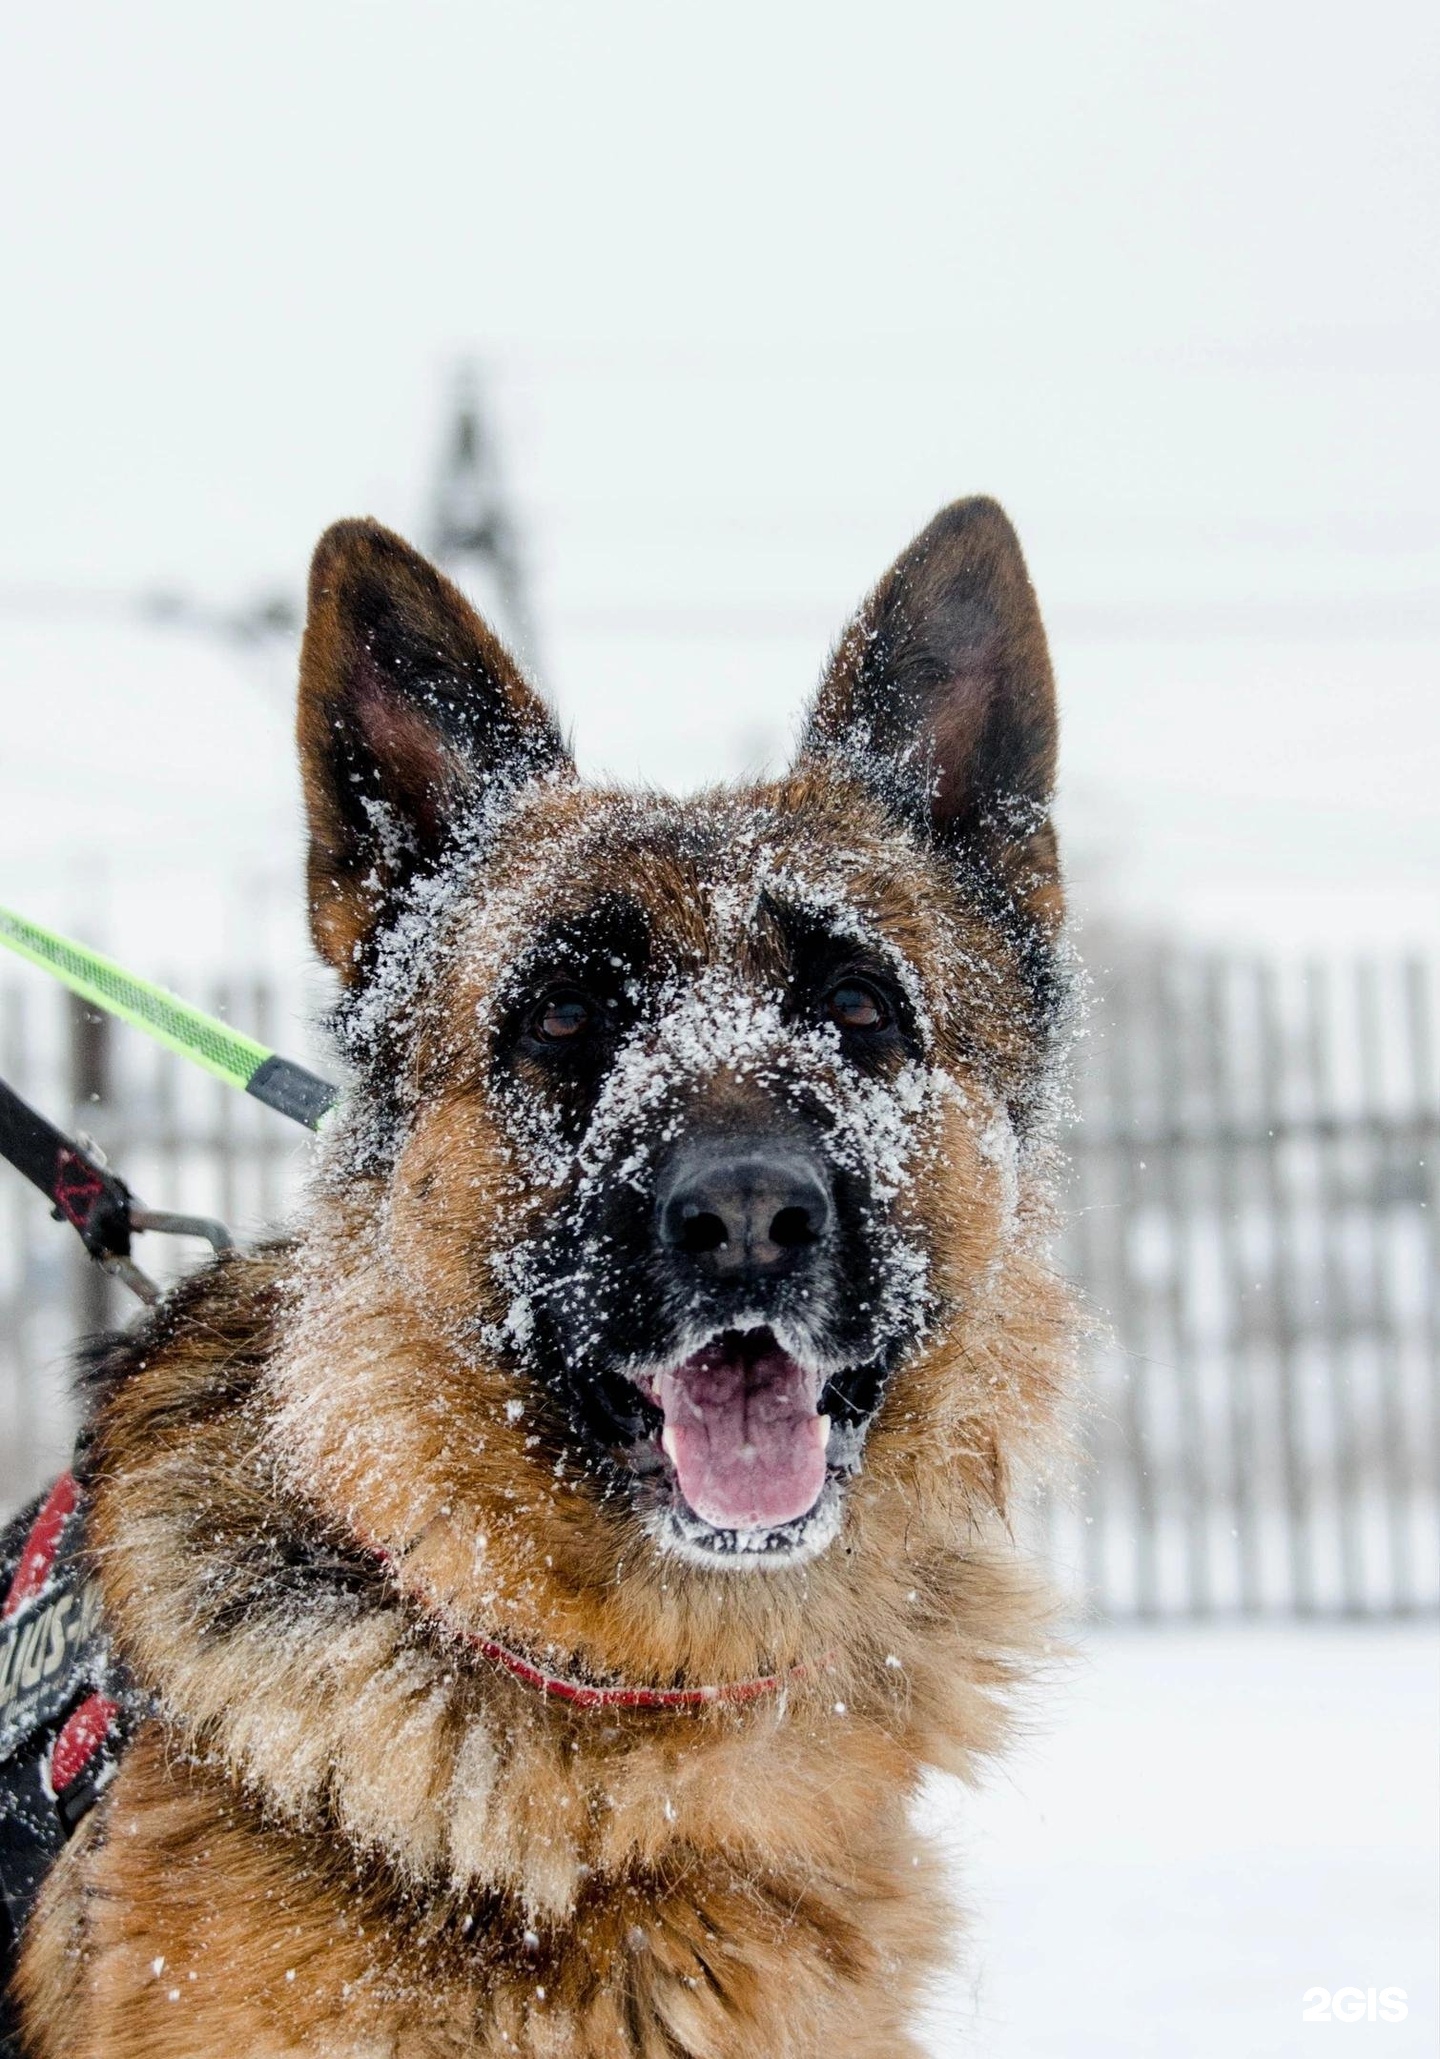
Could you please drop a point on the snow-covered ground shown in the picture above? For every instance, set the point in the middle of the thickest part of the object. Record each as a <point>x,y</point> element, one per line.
<point>1204,1824</point>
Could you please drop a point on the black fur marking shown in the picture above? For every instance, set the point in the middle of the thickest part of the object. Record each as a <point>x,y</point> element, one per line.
<point>607,954</point>
<point>817,959</point>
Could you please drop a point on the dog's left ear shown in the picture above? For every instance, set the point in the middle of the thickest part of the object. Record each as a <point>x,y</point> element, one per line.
<point>411,713</point>
<point>940,698</point>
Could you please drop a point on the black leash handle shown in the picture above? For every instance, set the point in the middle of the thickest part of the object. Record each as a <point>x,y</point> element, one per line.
<point>95,1202</point>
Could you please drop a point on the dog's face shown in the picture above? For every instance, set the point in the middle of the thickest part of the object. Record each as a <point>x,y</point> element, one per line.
<point>696,1120</point>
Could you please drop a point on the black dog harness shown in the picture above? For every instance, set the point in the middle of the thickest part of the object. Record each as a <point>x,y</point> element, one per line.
<point>64,1707</point>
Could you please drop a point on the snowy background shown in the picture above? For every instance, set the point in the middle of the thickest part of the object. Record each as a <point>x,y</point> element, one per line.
<point>1206,1824</point>
<point>753,291</point>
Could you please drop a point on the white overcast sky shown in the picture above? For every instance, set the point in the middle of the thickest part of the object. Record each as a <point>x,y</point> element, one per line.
<point>757,288</point>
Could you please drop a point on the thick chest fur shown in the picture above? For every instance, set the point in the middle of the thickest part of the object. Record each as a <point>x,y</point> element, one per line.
<point>183,1924</point>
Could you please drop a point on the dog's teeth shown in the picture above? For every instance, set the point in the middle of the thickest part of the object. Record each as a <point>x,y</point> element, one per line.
<point>667,1443</point>
<point>825,1427</point>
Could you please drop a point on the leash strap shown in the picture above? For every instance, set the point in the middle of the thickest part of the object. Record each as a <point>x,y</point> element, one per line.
<point>95,1202</point>
<point>91,1199</point>
<point>227,1053</point>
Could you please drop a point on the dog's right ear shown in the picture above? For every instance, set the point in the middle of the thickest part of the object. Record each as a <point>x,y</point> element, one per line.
<point>411,714</point>
<point>940,699</point>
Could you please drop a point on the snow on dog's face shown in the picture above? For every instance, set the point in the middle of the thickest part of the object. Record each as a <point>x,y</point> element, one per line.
<point>698,1119</point>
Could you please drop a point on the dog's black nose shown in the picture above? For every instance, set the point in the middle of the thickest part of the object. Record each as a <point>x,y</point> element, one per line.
<point>742,1207</point>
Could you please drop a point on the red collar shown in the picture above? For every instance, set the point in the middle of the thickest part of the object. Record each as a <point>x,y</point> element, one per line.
<point>582,1694</point>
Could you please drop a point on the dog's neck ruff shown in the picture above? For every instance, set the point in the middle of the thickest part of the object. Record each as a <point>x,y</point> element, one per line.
<point>584,1694</point>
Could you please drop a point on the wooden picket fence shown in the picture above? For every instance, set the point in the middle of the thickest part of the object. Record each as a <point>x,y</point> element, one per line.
<point>1253,1212</point>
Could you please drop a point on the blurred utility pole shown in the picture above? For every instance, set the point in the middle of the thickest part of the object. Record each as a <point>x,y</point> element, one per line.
<point>89,1093</point>
<point>472,535</point>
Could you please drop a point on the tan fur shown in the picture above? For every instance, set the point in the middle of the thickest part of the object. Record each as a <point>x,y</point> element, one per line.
<point>345,1831</point>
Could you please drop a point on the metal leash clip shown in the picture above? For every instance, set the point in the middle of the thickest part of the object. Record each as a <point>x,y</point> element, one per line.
<point>123,1267</point>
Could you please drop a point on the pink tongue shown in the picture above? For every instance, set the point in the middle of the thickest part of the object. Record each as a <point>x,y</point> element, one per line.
<point>743,1433</point>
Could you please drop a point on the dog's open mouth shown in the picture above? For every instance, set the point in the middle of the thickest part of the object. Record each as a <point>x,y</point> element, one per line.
<point>743,1431</point>
<point>745,1440</point>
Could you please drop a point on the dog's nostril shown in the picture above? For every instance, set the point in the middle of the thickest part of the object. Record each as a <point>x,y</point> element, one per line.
<point>742,1209</point>
<point>792,1227</point>
<point>700,1233</point>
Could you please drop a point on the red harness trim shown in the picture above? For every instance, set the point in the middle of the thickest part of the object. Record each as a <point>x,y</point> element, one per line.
<point>82,1736</point>
<point>41,1545</point>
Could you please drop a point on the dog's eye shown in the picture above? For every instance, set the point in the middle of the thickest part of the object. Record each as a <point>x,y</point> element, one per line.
<point>855,1005</point>
<point>561,1017</point>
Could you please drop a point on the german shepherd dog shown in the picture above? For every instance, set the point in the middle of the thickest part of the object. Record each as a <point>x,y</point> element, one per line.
<point>548,1573</point>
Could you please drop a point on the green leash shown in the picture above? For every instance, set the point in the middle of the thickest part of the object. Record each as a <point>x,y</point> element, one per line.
<point>227,1053</point>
